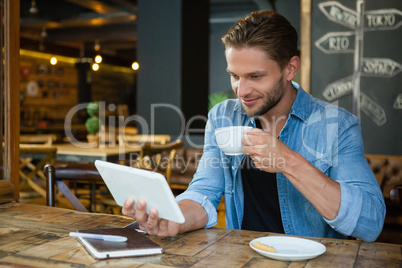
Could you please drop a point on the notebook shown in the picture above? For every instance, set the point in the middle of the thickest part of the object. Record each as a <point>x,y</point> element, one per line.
<point>137,244</point>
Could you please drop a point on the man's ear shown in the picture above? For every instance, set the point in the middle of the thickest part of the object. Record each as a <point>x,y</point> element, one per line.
<point>292,68</point>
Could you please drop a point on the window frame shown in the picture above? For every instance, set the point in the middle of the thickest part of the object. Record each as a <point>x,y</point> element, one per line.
<point>10,84</point>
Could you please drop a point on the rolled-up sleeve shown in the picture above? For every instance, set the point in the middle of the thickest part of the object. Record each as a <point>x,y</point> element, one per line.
<point>362,210</point>
<point>204,202</point>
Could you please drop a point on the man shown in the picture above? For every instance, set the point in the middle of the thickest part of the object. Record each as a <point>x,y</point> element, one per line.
<point>303,171</point>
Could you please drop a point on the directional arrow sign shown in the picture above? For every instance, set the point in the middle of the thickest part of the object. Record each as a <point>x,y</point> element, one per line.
<point>338,13</point>
<point>380,67</point>
<point>398,102</point>
<point>382,19</point>
<point>339,88</point>
<point>372,109</point>
<point>336,42</point>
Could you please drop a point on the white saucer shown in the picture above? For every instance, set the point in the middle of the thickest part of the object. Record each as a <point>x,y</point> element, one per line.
<point>289,248</point>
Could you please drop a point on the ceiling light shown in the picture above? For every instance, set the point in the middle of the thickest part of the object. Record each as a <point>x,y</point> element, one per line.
<point>53,61</point>
<point>98,59</point>
<point>135,66</point>
<point>95,67</point>
<point>33,10</point>
<point>97,45</point>
<point>43,34</point>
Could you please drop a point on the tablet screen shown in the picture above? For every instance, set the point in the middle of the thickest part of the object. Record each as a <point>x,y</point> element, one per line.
<point>124,181</point>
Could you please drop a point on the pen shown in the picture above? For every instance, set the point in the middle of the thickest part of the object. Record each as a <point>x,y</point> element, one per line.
<point>111,238</point>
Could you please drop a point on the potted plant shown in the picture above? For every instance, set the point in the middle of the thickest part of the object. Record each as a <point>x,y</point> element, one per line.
<point>93,123</point>
<point>218,97</point>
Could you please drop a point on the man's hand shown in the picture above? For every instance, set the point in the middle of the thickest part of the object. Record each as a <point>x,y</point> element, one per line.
<point>268,152</point>
<point>272,155</point>
<point>151,223</point>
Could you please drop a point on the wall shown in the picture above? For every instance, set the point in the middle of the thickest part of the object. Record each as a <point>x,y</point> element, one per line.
<point>158,53</point>
<point>219,78</point>
<point>335,69</point>
<point>160,36</point>
<point>114,85</point>
<point>48,91</point>
<point>173,54</point>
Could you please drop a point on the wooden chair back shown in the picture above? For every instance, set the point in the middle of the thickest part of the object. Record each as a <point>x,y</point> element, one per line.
<point>36,151</point>
<point>57,173</point>
<point>46,139</point>
<point>30,169</point>
<point>111,135</point>
<point>128,130</point>
<point>184,167</point>
<point>145,139</point>
<point>159,157</point>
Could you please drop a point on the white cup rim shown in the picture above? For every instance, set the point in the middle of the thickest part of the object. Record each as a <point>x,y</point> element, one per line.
<point>218,130</point>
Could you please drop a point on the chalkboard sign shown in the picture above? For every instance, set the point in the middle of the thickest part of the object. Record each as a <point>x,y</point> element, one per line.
<point>356,62</point>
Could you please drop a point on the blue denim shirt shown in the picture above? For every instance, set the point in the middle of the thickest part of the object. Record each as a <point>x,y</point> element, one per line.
<point>329,138</point>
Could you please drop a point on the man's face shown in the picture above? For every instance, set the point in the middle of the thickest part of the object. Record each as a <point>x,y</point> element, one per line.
<point>256,80</point>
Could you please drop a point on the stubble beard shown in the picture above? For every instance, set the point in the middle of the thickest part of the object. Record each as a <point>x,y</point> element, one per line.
<point>270,100</point>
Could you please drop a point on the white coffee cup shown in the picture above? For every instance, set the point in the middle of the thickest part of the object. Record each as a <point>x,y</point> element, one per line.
<point>229,139</point>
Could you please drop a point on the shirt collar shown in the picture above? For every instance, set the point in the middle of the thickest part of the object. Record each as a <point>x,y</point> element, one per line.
<point>238,107</point>
<point>302,105</point>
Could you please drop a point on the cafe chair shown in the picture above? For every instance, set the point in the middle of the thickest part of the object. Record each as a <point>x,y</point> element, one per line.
<point>44,139</point>
<point>127,138</point>
<point>396,195</point>
<point>184,167</point>
<point>76,172</point>
<point>36,151</point>
<point>159,157</point>
<point>111,135</point>
<point>128,130</point>
<point>154,157</point>
<point>388,171</point>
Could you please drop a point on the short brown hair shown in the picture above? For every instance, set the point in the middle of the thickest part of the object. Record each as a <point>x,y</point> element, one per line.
<point>267,30</point>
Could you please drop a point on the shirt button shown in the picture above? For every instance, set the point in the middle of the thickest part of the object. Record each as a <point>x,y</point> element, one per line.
<point>233,168</point>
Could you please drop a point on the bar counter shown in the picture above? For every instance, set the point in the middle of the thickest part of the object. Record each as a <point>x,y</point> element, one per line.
<point>37,236</point>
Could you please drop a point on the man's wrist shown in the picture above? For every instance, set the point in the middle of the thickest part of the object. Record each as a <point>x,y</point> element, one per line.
<point>294,162</point>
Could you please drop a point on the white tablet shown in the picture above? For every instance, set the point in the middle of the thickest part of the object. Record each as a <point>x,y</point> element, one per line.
<point>124,181</point>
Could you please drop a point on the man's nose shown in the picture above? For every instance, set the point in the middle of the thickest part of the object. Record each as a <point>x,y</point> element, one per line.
<point>243,88</point>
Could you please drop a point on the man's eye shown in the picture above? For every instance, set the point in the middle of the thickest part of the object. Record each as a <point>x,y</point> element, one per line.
<point>234,76</point>
<point>256,76</point>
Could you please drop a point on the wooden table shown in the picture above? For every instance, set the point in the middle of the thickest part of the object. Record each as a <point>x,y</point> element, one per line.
<point>37,236</point>
<point>84,152</point>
